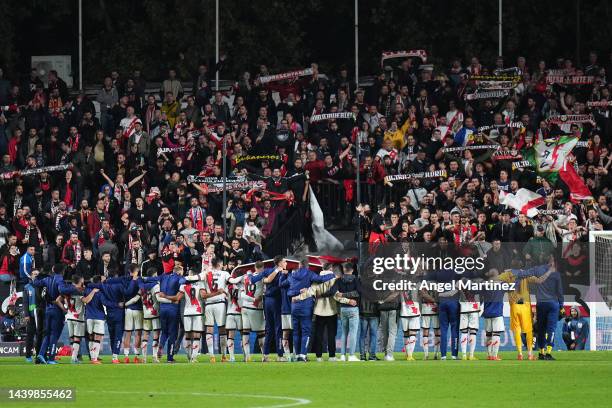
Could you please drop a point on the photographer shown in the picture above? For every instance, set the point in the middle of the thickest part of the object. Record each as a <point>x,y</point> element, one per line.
<point>575,330</point>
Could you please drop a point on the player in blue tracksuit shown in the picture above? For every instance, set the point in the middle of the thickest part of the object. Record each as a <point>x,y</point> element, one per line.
<point>169,308</point>
<point>286,322</point>
<point>301,310</point>
<point>95,317</point>
<point>114,291</point>
<point>448,309</point>
<point>272,306</point>
<point>493,306</point>
<point>549,301</point>
<point>54,313</point>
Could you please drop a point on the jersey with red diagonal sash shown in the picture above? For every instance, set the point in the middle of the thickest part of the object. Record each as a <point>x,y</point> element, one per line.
<point>150,306</point>
<point>193,299</point>
<point>75,307</point>
<point>409,305</point>
<point>468,302</point>
<point>216,280</point>
<point>234,298</point>
<point>251,292</point>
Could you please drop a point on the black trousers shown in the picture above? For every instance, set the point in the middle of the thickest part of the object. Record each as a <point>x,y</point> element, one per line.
<point>34,332</point>
<point>329,325</point>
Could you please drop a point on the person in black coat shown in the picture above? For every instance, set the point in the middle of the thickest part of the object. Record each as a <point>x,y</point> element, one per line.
<point>87,266</point>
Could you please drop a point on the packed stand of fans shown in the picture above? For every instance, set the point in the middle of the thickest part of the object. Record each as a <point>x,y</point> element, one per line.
<point>121,191</point>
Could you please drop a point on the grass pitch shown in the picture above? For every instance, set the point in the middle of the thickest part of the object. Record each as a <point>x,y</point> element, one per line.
<point>575,378</point>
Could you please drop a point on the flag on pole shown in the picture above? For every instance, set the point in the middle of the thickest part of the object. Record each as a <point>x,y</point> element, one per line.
<point>525,201</point>
<point>550,159</point>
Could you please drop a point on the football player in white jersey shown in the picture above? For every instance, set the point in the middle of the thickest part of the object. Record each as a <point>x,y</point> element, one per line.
<point>410,316</point>
<point>193,322</point>
<point>150,313</point>
<point>468,323</point>
<point>233,320</point>
<point>251,301</point>
<point>215,284</point>
<point>430,321</point>
<point>74,307</point>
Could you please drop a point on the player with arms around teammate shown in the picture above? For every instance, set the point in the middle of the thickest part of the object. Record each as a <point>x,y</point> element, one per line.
<point>251,301</point>
<point>193,320</point>
<point>150,313</point>
<point>272,306</point>
<point>54,316</point>
<point>233,320</point>
<point>430,321</point>
<point>95,317</point>
<point>133,316</point>
<point>169,312</point>
<point>410,316</point>
<point>301,310</point>
<point>469,316</point>
<point>215,284</point>
<point>520,308</point>
<point>74,307</point>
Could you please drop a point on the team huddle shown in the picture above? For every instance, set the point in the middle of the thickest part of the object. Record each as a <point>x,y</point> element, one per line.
<point>277,305</point>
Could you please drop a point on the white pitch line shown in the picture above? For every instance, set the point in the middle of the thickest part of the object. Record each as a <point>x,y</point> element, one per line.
<point>295,401</point>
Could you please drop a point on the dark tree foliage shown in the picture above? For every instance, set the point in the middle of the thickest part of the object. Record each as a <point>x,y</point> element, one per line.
<point>152,35</point>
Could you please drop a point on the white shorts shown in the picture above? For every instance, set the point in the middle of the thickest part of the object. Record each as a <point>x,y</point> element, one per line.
<point>95,327</point>
<point>233,322</point>
<point>151,324</point>
<point>411,323</point>
<point>133,320</point>
<point>253,320</point>
<point>75,328</point>
<point>286,322</point>
<point>215,313</point>
<point>469,321</point>
<point>193,323</point>
<point>430,322</point>
<point>494,324</point>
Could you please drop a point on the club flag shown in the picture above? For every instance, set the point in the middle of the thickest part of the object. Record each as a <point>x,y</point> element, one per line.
<point>525,201</point>
<point>549,158</point>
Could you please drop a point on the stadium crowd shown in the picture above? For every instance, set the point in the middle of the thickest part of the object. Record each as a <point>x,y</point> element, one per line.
<point>125,196</point>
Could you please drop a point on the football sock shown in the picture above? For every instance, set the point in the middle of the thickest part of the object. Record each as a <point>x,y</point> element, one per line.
<point>261,339</point>
<point>126,351</point>
<point>286,348</point>
<point>472,343</point>
<point>437,344</point>
<point>75,350</point>
<point>223,341</point>
<point>245,345</point>
<point>195,349</point>
<point>464,341</point>
<point>495,344</point>
<point>210,344</point>
<point>187,345</point>
<point>411,343</point>
<point>136,350</point>
<point>548,349</point>
<point>230,347</point>
<point>155,348</point>
<point>426,346</point>
<point>96,350</point>
<point>143,347</point>
<point>489,345</point>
